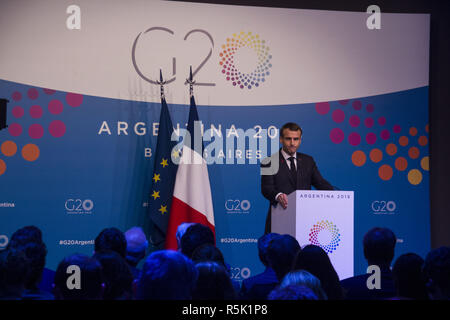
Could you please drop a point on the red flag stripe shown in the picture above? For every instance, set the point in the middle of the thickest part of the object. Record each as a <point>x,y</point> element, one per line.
<point>180,213</point>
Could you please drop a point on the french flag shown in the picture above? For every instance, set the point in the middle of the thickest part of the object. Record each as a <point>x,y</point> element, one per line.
<point>192,200</point>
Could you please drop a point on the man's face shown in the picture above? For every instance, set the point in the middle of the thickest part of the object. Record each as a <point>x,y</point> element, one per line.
<point>291,141</point>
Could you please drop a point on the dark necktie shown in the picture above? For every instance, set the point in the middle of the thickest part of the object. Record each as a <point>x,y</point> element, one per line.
<point>293,169</point>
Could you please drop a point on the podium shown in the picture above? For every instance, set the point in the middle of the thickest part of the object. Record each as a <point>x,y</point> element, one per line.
<point>321,218</point>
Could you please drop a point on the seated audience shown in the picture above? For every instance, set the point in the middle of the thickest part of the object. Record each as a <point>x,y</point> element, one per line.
<point>316,261</point>
<point>258,286</point>
<point>166,275</point>
<point>292,292</point>
<point>117,276</point>
<point>408,278</point>
<point>213,283</point>
<point>195,236</point>
<point>13,274</point>
<point>91,279</point>
<point>304,278</point>
<point>137,245</point>
<point>436,271</point>
<point>379,245</point>
<point>111,239</point>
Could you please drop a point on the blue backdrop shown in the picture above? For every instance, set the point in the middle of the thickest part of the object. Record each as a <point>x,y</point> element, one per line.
<point>66,167</point>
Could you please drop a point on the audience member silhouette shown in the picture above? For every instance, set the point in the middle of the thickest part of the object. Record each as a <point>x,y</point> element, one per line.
<point>111,239</point>
<point>117,276</point>
<point>213,283</point>
<point>35,253</point>
<point>408,278</point>
<point>281,253</point>
<point>166,275</point>
<point>436,270</point>
<point>180,232</point>
<point>23,236</point>
<point>379,245</point>
<point>13,274</point>
<point>316,261</point>
<point>137,245</point>
<point>91,279</point>
<point>258,286</point>
<point>304,278</point>
<point>195,236</point>
<point>210,253</point>
<point>292,292</point>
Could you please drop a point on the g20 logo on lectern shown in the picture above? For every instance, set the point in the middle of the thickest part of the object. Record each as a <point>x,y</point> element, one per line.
<point>325,234</point>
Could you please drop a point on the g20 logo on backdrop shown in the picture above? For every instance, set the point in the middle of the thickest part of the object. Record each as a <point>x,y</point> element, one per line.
<point>238,273</point>
<point>3,241</point>
<point>237,206</point>
<point>383,207</point>
<point>244,59</point>
<point>79,206</point>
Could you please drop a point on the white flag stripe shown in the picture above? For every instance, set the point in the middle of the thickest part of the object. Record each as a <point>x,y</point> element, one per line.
<point>192,183</point>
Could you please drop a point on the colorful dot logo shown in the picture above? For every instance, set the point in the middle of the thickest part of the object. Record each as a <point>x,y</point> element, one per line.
<point>325,226</point>
<point>383,146</point>
<point>228,60</point>
<point>30,109</point>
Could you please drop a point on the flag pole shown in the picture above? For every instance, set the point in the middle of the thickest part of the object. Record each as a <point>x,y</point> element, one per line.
<point>161,82</point>
<point>191,83</point>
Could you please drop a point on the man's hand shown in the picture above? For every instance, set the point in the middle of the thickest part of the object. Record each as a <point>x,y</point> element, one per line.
<point>283,200</point>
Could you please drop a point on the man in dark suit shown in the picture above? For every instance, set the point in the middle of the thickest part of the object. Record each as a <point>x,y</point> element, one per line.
<point>289,170</point>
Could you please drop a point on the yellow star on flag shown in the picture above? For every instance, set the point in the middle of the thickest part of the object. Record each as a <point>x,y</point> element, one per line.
<point>164,163</point>
<point>156,177</point>
<point>163,209</point>
<point>155,194</point>
<point>176,153</point>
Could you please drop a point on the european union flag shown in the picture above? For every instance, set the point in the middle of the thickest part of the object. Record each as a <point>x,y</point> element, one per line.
<point>164,173</point>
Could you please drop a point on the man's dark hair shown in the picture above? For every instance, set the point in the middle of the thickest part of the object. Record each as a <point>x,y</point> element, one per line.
<point>13,273</point>
<point>379,245</point>
<point>111,239</point>
<point>316,261</point>
<point>116,274</point>
<point>25,235</point>
<point>208,253</point>
<point>213,283</point>
<point>292,292</point>
<point>281,254</point>
<point>166,275</point>
<point>263,244</point>
<point>35,253</point>
<point>436,271</point>
<point>407,274</point>
<point>136,245</point>
<point>91,279</point>
<point>195,236</point>
<point>292,127</point>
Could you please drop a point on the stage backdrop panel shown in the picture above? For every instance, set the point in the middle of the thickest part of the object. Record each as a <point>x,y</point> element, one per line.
<point>84,110</point>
